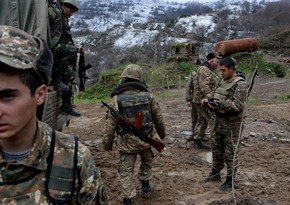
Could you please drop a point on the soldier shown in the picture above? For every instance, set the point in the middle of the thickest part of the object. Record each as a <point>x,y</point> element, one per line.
<point>204,84</point>
<point>64,51</point>
<point>189,101</point>
<point>38,165</point>
<point>228,103</point>
<point>130,97</point>
<point>82,69</point>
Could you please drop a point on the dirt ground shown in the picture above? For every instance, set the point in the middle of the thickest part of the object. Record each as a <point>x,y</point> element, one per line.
<point>264,172</point>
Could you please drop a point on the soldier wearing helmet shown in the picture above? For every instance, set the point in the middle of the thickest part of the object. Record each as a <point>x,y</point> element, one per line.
<point>64,51</point>
<point>131,96</point>
<point>37,164</point>
<point>71,4</point>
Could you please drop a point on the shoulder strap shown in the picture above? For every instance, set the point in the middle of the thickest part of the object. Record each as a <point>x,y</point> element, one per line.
<point>60,177</point>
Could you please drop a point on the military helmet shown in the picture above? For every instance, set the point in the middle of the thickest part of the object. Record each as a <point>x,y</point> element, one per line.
<point>71,4</point>
<point>133,71</point>
<point>21,50</point>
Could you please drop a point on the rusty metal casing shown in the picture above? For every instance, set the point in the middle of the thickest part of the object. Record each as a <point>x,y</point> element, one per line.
<point>228,47</point>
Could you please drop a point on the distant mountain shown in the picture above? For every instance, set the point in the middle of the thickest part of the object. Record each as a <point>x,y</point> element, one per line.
<point>101,15</point>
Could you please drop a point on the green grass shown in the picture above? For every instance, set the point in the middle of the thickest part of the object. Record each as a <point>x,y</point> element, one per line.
<point>282,97</point>
<point>253,99</point>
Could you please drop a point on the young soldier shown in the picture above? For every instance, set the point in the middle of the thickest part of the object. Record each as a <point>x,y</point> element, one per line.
<point>37,164</point>
<point>129,98</point>
<point>228,103</point>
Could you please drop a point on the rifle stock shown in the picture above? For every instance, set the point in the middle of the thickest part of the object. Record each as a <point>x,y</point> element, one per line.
<point>127,126</point>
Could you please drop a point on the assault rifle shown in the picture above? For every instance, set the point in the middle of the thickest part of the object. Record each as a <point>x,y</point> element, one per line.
<point>82,69</point>
<point>128,127</point>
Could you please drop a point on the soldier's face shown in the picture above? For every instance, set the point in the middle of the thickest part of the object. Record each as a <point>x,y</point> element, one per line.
<point>214,63</point>
<point>17,108</point>
<point>227,73</point>
<point>68,12</point>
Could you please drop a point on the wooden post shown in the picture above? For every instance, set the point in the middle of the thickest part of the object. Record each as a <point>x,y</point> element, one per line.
<point>179,80</point>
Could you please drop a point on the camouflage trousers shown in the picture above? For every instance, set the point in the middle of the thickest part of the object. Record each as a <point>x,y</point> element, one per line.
<point>65,71</point>
<point>204,118</point>
<point>223,150</point>
<point>126,170</point>
<point>193,118</point>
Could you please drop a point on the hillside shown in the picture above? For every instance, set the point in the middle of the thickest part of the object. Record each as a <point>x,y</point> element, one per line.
<point>120,32</point>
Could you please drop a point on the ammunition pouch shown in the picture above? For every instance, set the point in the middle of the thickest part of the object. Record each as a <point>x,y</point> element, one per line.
<point>129,105</point>
<point>60,182</point>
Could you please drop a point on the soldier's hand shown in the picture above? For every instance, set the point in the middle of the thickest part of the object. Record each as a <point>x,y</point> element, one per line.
<point>213,105</point>
<point>204,102</point>
<point>81,50</point>
<point>189,103</point>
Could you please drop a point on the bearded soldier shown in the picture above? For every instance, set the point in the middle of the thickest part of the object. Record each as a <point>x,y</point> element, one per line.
<point>204,84</point>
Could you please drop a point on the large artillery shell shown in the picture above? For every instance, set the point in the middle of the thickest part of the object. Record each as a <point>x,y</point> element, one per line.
<point>227,48</point>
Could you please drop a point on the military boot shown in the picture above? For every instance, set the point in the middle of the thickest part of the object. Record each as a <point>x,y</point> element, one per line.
<point>227,185</point>
<point>127,201</point>
<point>146,188</point>
<point>198,144</point>
<point>190,138</point>
<point>67,107</point>
<point>213,176</point>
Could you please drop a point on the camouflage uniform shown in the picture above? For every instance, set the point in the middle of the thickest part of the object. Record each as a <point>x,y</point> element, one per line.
<point>189,88</point>
<point>62,45</point>
<point>65,56</point>
<point>231,95</point>
<point>127,99</point>
<point>204,85</point>
<point>23,182</point>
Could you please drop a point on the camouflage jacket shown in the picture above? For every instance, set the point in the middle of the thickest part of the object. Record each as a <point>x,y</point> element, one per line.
<point>189,86</point>
<point>61,42</point>
<point>24,182</point>
<point>127,142</point>
<point>232,97</point>
<point>205,82</point>
<point>29,15</point>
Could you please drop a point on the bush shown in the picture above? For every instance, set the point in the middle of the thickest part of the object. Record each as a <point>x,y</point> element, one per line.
<point>278,69</point>
<point>248,62</point>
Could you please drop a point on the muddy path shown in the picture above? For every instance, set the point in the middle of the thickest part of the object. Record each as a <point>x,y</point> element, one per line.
<point>264,171</point>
